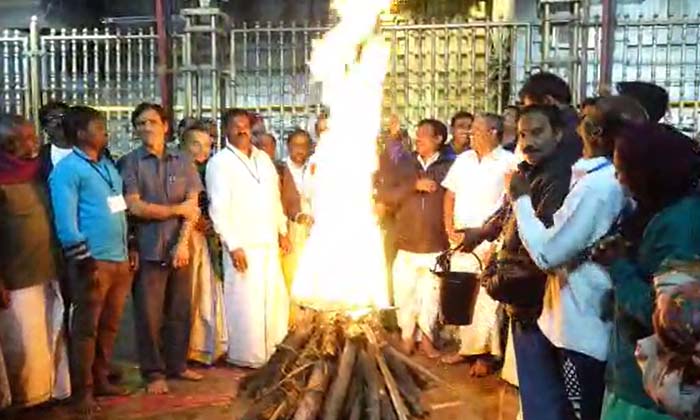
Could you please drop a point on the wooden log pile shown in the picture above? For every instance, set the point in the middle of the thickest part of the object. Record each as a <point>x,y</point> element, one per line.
<point>333,367</point>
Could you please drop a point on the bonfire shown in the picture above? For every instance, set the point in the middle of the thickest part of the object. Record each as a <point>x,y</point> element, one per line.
<point>336,362</point>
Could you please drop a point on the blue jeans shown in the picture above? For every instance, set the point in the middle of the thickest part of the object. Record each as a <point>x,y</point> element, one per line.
<point>542,391</point>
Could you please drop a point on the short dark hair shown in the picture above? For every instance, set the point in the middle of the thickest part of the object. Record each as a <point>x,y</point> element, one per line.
<point>551,112</point>
<point>540,85</point>
<point>78,118</point>
<point>590,101</point>
<point>513,107</point>
<point>195,125</point>
<point>460,115</point>
<point>298,132</point>
<point>653,98</point>
<point>270,135</point>
<point>49,108</point>
<point>145,106</point>
<point>438,127</point>
<point>232,113</point>
<point>496,121</point>
<point>9,124</point>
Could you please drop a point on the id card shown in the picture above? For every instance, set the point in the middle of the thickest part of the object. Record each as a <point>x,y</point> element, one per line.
<point>116,203</point>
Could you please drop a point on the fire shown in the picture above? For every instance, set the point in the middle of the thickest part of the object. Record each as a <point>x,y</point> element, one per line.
<point>343,266</point>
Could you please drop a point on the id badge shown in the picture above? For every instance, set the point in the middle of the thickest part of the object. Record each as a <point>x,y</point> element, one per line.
<point>116,203</point>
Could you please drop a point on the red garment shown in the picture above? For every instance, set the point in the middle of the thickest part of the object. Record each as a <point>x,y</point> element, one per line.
<point>14,170</point>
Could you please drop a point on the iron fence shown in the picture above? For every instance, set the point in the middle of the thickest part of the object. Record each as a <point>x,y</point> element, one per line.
<point>435,68</point>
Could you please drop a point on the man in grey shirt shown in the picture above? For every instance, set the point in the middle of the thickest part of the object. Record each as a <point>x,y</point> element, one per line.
<point>161,189</point>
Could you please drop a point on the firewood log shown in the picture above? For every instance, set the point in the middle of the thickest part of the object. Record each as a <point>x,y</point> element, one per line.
<point>417,368</point>
<point>310,404</point>
<point>407,386</point>
<point>371,378</point>
<point>272,372</point>
<point>387,408</point>
<point>339,387</point>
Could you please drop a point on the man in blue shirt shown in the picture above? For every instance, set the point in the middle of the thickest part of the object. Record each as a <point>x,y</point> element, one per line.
<point>161,188</point>
<point>90,219</point>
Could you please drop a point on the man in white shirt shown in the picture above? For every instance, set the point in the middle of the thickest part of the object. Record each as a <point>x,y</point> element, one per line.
<point>474,192</point>
<point>296,206</point>
<point>246,210</point>
<point>573,329</point>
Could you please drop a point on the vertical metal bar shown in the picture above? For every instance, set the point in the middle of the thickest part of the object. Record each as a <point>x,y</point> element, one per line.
<point>35,67</point>
<point>118,74</point>
<point>433,71</point>
<point>215,79</point>
<point>129,68</point>
<point>421,69</point>
<point>595,80</point>
<point>294,82</point>
<point>18,69</point>
<point>53,73</point>
<point>667,81</point>
<point>682,81</point>
<point>232,68</point>
<point>6,71</point>
<point>257,67</point>
<point>108,90</point>
<point>152,69</point>
<point>472,68</point>
<point>487,69</point>
<point>448,72</point>
<point>282,100</point>
<point>607,43</point>
<point>407,74</point>
<point>502,32</point>
<point>576,57</point>
<point>86,66</point>
<point>64,64</point>
<point>269,70</point>
<point>307,73</point>
<point>546,36</point>
<point>696,79</point>
<point>187,63</point>
<point>74,65</point>
<point>246,67</point>
<point>394,70</point>
<point>654,57</point>
<point>461,103</point>
<point>96,66</point>
<point>142,66</point>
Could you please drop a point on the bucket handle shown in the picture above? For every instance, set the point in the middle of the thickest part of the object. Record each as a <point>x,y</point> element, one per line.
<point>443,261</point>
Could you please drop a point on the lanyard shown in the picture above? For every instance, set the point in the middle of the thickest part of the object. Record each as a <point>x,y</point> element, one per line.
<point>106,176</point>
<point>600,166</point>
<point>255,162</point>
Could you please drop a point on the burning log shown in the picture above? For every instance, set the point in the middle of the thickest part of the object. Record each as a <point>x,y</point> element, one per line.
<point>309,377</point>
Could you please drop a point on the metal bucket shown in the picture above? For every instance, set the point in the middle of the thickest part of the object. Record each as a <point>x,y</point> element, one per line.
<point>458,291</point>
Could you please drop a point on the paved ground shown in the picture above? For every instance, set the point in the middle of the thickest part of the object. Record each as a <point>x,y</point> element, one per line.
<point>215,397</point>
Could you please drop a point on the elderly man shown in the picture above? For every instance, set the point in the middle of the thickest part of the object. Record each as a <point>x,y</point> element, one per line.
<point>246,209</point>
<point>30,305</point>
<point>475,191</point>
<point>162,191</point>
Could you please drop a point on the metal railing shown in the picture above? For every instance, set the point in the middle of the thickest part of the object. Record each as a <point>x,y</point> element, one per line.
<point>435,68</point>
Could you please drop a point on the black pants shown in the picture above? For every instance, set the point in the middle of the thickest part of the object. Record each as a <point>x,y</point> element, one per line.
<point>162,306</point>
<point>98,301</point>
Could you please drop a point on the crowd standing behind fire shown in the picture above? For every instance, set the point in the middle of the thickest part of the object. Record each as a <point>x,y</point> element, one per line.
<point>582,226</point>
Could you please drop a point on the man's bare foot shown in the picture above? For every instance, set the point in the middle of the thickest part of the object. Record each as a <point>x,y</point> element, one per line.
<point>157,387</point>
<point>189,375</point>
<point>481,368</point>
<point>109,390</point>
<point>407,346</point>
<point>428,349</point>
<point>85,407</point>
<point>453,359</point>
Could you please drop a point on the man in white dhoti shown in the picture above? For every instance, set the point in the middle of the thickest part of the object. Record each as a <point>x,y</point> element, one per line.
<point>34,360</point>
<point>475,191</point>
<point>246,210</point>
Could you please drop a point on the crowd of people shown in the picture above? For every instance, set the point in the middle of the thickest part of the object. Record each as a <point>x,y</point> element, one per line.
<point>581,224</point>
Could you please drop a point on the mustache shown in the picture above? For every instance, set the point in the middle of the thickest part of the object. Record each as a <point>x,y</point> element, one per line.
<point>530,149</point>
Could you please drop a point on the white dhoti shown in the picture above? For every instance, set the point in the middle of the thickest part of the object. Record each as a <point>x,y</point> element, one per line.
<point>209,335</point>
<point>33,345</point>
<point>509,373</point>
<point>257,306</point>
<point>416,293</point>
<point>482,335</point>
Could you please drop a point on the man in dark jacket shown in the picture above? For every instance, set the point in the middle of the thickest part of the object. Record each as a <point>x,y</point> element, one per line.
<point>57,146</point>
<point>512,276</point>
<point>415,196</point>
